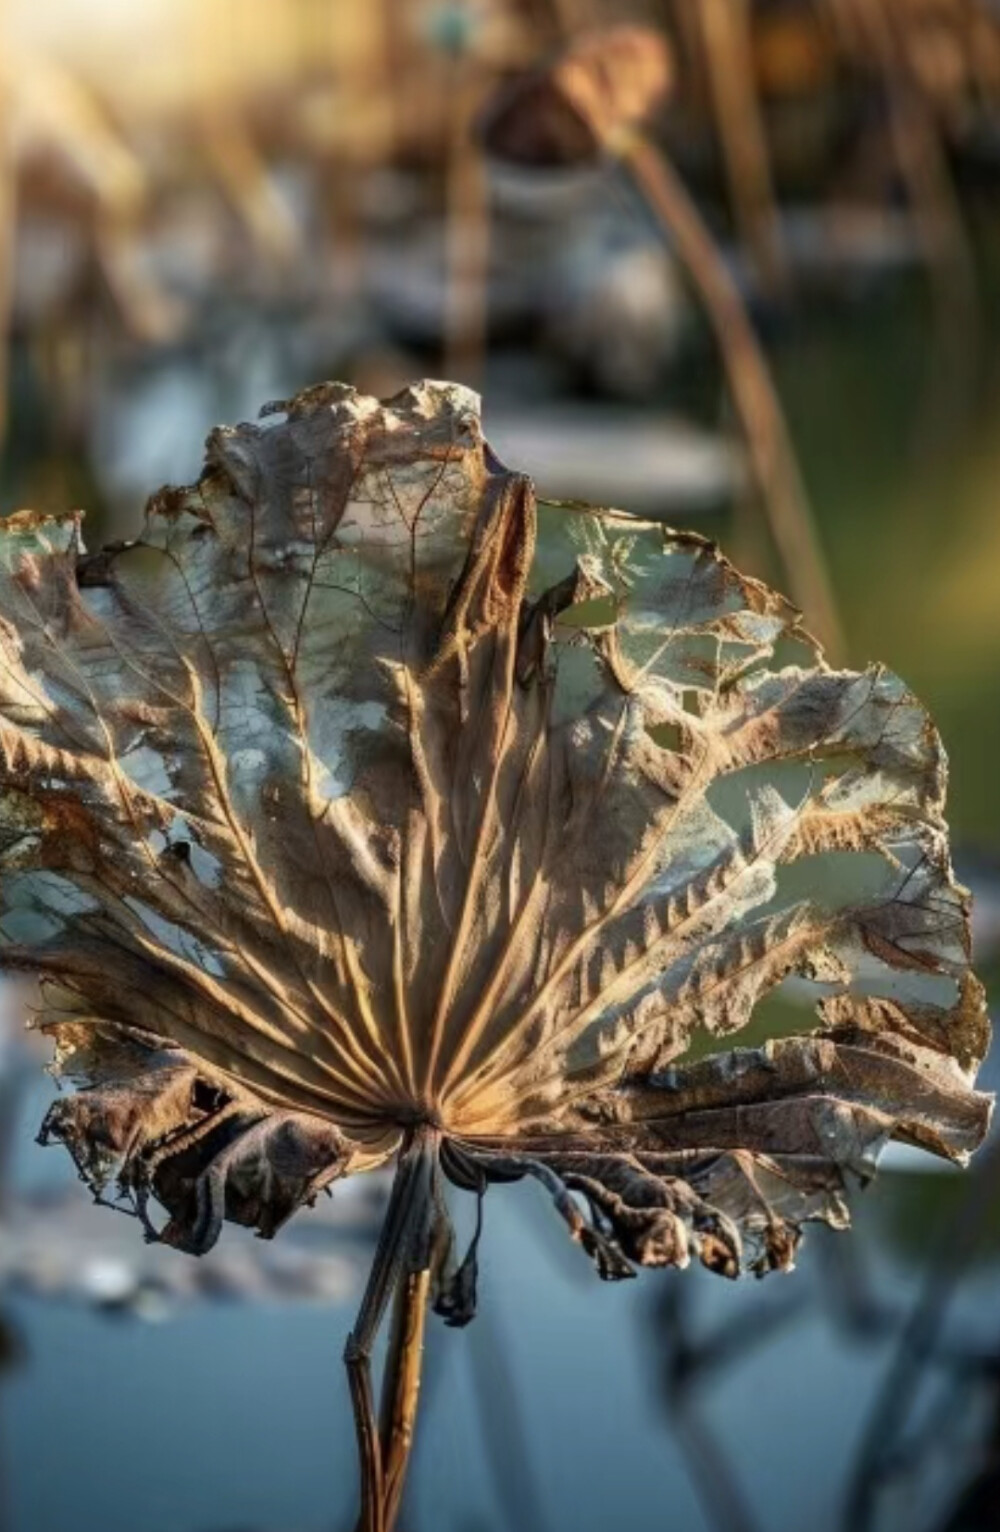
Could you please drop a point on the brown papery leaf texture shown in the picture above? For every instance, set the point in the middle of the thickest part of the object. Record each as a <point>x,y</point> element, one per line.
<point>363,797</point>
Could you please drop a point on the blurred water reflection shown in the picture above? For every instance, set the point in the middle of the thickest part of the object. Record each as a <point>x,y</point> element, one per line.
<point>229,1413</point>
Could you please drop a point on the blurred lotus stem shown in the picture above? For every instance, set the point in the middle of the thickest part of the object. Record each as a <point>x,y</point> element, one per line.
<point>467,237</point>
<point>573,16</point>
<point>248,185</point>
<point>218,42</point>
<point>349,46</point>
<point>709,1468</point>
<point>771,453</point>
<point>592,102</point>
<point>152,314</point>
<point>727,47</point>
<point>8,216</point>
<point>506,1435</point>
<point>920,154</point>
<point>686,22</point>
<point>401,1386</point>
<point>344,223</point>
<point>955,1248</point>
<point>61,111</point>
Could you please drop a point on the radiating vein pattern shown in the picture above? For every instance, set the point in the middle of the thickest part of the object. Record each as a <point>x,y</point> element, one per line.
<point>362,794</point>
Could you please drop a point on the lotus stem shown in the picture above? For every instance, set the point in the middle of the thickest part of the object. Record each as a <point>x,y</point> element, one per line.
<point>923,166</point>
<point>401,1387</point>
<point>771,453</point>
<point>400,1267</point>
<point>726,33</point>
<point>371,1518</point>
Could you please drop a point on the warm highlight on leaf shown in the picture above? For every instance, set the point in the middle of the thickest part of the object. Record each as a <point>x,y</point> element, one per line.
<point>362,799</point>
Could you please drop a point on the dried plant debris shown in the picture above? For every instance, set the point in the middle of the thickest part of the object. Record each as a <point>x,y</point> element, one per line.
<point>605,83</point>
<point>362,805</point>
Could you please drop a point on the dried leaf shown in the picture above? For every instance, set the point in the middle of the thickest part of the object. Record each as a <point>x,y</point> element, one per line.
<point>606,82</point>
<point>362,798</point>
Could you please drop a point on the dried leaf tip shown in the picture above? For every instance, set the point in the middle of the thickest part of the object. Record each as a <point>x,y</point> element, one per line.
<point>364,806</point>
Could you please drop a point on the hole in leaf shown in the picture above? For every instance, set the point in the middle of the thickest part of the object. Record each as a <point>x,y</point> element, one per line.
<point>783,1013</point>
<point>600,612</point>
<point>668,736</point>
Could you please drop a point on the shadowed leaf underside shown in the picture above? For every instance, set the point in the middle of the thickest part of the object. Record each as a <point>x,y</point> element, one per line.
<point>363,797</point>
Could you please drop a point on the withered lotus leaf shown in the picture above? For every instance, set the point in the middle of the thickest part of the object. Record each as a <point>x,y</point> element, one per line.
<point>362,802</point>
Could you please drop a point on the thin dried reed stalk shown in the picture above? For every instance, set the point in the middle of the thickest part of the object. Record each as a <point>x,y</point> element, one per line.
<point>771,453</point>
<point>726,39</point>
<point>920,154</point>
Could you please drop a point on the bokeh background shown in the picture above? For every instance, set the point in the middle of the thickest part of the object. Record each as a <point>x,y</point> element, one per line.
<point>208,204</point>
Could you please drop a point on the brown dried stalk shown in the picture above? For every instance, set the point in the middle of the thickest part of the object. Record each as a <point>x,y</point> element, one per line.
<point>921,154</point>
<point>364,809</point>
<point>726,34</point>
<point>403,1368</point>
<point>768,443</point>
<point>60,113</point>
<point>592,102</point>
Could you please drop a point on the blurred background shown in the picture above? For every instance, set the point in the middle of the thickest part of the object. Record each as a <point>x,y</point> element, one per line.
<point>738,270</point>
